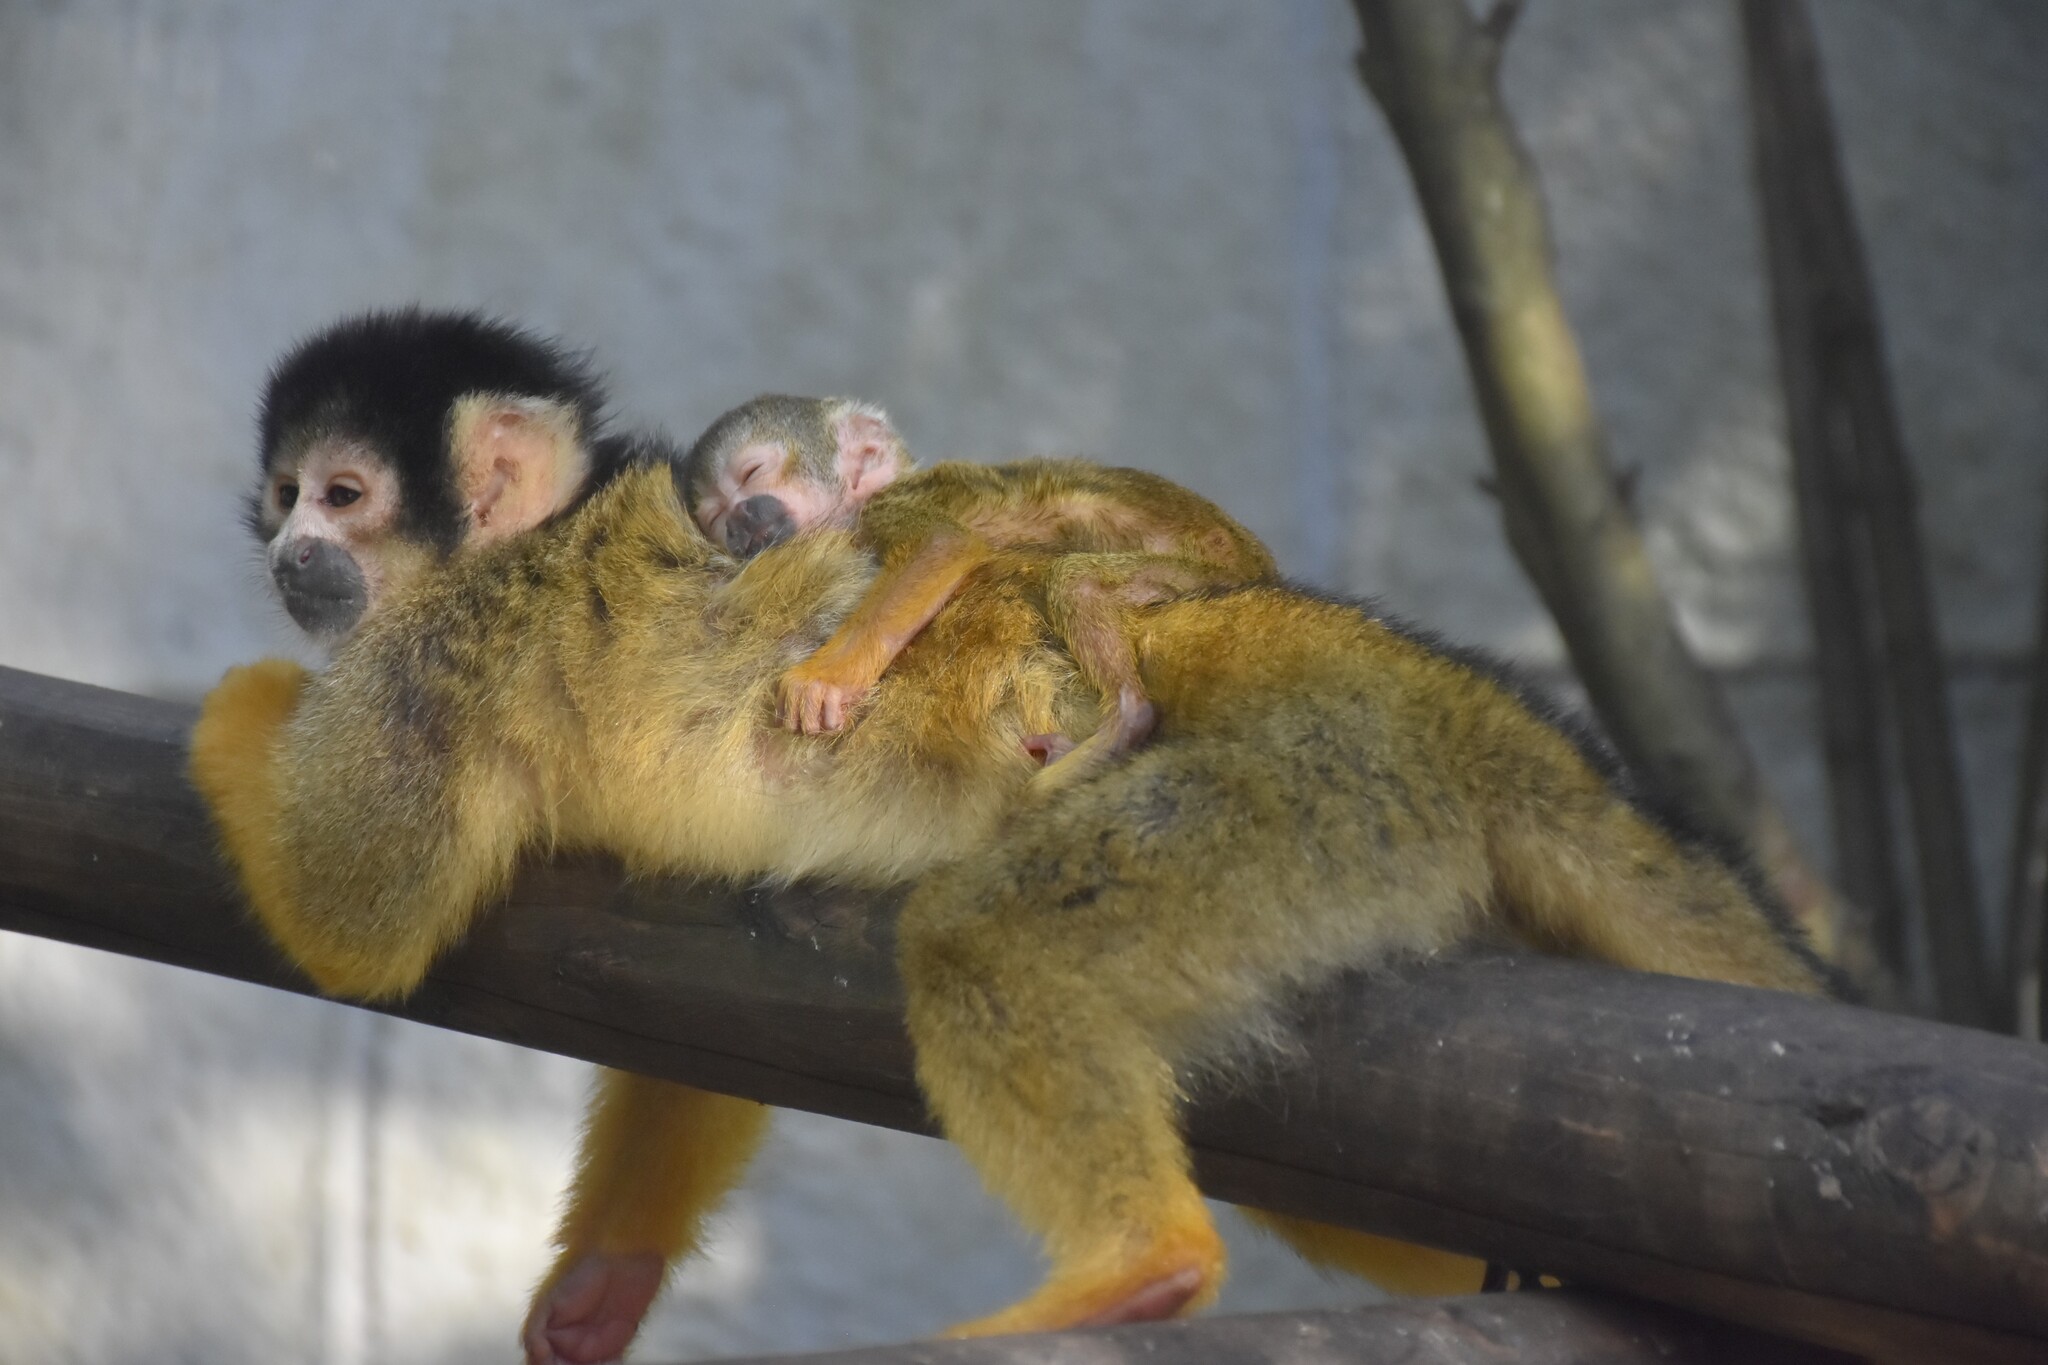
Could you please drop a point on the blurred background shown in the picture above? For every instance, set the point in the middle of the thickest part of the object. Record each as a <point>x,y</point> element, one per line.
<point>1168,233</point>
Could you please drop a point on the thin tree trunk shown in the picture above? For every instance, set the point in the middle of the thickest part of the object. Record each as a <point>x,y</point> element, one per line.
<point>1837,588</point>
<point>1818,264</point>
<point>1432,68</point>
<point>2026,899</point>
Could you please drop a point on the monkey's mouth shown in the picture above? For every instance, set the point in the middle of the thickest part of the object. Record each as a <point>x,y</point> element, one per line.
<point>324,615</point>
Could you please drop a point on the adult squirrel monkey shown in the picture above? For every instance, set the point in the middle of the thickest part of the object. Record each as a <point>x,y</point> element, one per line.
<point>1324,789</point>
<point>779,465</point>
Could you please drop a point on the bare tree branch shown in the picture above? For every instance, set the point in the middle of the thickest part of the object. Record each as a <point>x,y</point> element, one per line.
<point>1493,33</point>
<point>1428,65</point>
<point>2026,898</point>
<point>1835,366</point>
<point>1851,704</point>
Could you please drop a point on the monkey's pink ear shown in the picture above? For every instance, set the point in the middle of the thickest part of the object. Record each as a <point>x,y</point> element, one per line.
<point>518,461</point>
<point>871,454</point>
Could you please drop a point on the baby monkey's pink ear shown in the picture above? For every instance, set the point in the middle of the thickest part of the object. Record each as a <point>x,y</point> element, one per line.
<point>518,461</point>
<point>871,454</point>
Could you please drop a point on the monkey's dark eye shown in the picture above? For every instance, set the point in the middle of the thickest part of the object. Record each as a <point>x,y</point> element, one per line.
<point>287,495</point>
<point>341,495</point>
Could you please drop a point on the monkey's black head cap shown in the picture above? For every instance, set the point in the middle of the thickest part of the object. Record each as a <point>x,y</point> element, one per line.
<point>390,380</point>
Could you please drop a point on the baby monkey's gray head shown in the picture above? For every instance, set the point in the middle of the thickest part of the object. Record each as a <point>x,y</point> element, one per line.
<point>777,465</point>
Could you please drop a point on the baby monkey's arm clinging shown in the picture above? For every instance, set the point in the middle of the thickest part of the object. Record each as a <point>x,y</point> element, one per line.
<point>816,696</point>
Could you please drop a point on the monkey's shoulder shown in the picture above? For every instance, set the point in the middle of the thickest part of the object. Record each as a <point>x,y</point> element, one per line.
<point>621,554</point>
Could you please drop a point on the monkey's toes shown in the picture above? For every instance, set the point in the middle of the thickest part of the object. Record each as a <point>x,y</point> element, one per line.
<point>1162,1299</point>
<point>1136,718</point>
<point>592,1313</point>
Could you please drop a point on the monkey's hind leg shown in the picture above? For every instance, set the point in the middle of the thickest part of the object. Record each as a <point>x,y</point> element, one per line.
<point>1088,602</point>
<point>1062,978</point>
<point>1056,980</point>
<point>1067,763</point>
<point>1079,1140</point>
<point>657,1159</point>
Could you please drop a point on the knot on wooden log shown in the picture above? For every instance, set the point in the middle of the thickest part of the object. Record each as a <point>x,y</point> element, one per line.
<point>1940,1152</point>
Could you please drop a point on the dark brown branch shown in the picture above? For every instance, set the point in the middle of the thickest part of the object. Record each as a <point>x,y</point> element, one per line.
<point>2026,898</point>
<point>1429,64</point>
<point>1562,1327</point>
<point>1807,200</point>
<point>1850,1178</point>
<point>1837,591</point>
<point>1493,32</point>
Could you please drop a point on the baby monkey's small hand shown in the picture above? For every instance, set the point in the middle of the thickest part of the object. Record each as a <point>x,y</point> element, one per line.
<point>814,703</point>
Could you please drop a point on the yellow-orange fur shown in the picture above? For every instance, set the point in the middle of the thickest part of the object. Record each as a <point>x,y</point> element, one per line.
<point>1401,1267</point>
<point>628,1150</point>
<point>1323,791</point>
<point>628,716</point>
<point>935,526</point>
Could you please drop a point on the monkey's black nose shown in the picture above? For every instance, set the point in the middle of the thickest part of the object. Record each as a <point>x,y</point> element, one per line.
<point>321,585</point>
<point>756,524</point>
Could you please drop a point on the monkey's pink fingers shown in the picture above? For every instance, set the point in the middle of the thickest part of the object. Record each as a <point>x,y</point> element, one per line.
<point>820,708</point>
<point>592,1312</point>
<point>814,697</point>
<point>796,705</point>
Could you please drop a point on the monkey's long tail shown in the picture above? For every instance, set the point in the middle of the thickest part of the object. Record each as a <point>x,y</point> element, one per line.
<point>1399,1267</point>
<point>1601,879</point>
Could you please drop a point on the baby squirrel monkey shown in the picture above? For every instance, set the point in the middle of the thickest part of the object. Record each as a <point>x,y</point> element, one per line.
<point>580,669</point>
<point>779,465</point>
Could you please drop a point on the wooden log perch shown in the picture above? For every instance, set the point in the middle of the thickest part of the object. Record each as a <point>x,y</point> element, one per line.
<point>1853,1179</point>
<point>1553,1327</point>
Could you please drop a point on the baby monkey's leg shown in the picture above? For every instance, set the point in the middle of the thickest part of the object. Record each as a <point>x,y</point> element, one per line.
<point>1088,601</point>
<point>815,696</point>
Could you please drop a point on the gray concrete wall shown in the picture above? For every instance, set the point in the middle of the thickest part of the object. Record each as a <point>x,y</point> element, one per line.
<point>1166,232</point>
